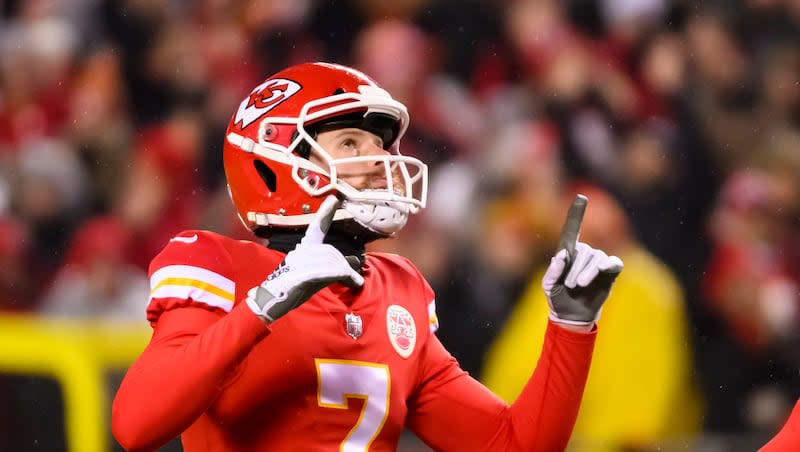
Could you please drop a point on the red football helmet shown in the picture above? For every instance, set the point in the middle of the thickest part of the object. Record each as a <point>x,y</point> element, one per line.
<point>271,180</point>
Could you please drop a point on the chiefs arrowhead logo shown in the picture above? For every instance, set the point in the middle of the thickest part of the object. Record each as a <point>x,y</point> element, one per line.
<point>264,98</point>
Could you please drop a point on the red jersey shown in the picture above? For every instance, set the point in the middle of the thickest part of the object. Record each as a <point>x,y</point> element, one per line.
<point>789,437</point>
<point>348,370</point>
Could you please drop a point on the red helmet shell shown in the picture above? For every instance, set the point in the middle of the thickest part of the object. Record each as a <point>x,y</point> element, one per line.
<point>283,95</point>
<point>261,162</point>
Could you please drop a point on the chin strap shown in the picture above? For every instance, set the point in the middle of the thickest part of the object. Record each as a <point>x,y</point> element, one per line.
<point>382,217</point>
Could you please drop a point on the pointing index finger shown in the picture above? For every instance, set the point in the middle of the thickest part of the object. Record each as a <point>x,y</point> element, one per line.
<point>572,225</point>
<point>321,222</point>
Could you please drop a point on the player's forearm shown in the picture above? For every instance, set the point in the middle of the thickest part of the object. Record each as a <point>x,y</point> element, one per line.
<point>475,419</point>
<point>180,374</point>
<point>544,414</point>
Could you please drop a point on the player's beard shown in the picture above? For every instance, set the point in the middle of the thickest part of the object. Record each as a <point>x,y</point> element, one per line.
<point>375,181</point>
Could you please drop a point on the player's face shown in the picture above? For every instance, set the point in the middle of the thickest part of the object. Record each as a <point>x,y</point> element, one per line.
<point>352,142</point>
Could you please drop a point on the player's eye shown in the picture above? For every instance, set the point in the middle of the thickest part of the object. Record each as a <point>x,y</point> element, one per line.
<point>349,145</point>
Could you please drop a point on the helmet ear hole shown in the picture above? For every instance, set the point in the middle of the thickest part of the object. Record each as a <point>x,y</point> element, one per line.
<point>267,175</point>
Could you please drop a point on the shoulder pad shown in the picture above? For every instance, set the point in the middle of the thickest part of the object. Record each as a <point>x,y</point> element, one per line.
<point>194,268</point>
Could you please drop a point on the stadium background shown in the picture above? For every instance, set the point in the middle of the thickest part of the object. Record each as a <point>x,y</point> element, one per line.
<point>680,119</point>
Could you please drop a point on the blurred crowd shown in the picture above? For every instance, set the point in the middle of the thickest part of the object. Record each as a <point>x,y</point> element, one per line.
<point>680,119</point>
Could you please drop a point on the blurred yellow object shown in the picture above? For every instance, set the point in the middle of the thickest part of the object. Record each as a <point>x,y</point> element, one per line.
<point>640,391</point>
<point>77,353</point>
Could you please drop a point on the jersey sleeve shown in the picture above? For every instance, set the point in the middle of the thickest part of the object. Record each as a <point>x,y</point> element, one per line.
<point>451,411</point>
<point>194,269</point>
<point>200,336</point>
<point>433,319</point>
<point>424,291</point>
<point>429,298</point>
<point>788,438</point>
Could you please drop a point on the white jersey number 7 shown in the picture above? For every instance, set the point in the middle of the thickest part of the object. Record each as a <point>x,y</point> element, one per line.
<point>339,380</point>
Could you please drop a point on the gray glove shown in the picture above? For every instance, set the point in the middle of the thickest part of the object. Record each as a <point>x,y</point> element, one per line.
<point>579,278</point>
<point>307,269</point>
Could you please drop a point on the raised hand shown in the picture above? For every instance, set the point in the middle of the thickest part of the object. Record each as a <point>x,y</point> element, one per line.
<point>308,268</point>
<point>579,278</point>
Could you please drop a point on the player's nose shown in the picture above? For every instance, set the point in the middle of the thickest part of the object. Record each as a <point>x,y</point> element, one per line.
<point>372,148</point>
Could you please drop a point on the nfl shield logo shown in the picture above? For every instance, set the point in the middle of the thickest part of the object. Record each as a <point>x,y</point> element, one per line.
<point>353,324</point>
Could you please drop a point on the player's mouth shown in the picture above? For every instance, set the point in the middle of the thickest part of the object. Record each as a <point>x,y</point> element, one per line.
<point>379,183</point>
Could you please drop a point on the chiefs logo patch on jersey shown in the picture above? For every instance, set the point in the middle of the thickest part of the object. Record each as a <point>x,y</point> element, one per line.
<point>264,98</point>
<point>402,330</point>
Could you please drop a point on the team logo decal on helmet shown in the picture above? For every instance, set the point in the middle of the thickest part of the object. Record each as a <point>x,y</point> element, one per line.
<point>264,98</point>
<point>402,330</point>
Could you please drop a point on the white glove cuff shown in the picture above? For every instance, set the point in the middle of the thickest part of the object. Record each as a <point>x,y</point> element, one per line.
<point>258,302</point>
<point>587,326</point>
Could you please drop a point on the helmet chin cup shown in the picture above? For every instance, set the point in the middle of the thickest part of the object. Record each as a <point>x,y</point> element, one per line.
<point>382,217</point>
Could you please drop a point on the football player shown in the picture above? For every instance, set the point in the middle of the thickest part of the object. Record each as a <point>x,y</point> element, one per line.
<point>307,342</point>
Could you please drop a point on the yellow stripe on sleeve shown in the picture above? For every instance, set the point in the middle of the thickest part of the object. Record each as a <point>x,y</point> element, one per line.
<point>195,283</point>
